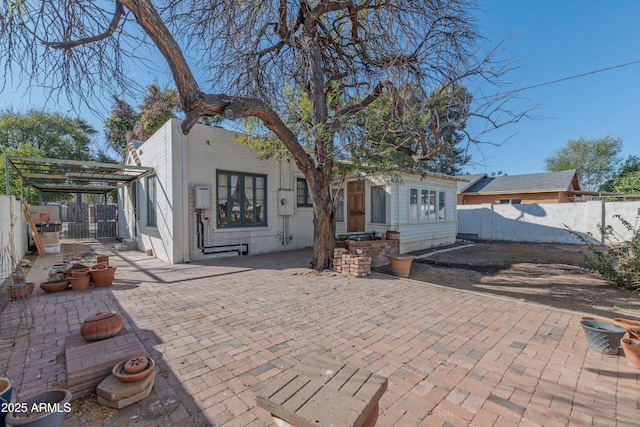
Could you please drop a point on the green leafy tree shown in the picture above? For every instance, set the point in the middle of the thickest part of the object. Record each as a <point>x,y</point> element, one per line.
<point>124,123</point>
<point>344,54</point>
<point>15,188</point>
<point>55,135</point>
<point>595,160</point>
<point>627,178</point>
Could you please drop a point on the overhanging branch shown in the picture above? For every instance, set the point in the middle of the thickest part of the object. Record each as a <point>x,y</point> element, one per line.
<point>117,15</point>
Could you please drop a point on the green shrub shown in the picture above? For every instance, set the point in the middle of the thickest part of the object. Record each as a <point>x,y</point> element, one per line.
<point>618,261</point>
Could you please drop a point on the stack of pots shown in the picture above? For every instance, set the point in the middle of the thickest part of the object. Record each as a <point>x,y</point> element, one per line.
<point>102,273</point>
<point>79,278</point>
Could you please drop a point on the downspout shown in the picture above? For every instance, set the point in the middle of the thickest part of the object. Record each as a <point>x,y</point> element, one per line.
<point>185,201</point>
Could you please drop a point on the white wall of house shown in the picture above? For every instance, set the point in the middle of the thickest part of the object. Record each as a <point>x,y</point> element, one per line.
<point>13,235</point>
<point>545,223</point>
<point>183,163</point>
<point>419,231</point>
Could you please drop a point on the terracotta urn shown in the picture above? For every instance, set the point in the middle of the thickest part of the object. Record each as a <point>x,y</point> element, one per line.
<point>631,349</point>
<point>119,372</point>
<point>101,326</point>
<point>79,272</point>
<point>103,277</point>
<point>98,266</point>
<point>400,264</point>
<point>79,282</point>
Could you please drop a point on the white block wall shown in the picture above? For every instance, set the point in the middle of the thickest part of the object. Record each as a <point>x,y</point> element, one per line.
<point>13,235</point>
<point>545,223</point>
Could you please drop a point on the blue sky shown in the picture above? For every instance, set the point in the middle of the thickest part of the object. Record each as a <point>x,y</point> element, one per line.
<point>550,40</point>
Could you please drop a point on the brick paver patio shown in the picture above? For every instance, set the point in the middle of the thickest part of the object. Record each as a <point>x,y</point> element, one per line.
<point>218,329</point>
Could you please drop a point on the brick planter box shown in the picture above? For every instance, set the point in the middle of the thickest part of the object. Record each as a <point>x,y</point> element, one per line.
<point>377,250</point>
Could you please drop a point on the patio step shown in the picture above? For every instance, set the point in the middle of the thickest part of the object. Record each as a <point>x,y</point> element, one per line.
<point>127,245</point>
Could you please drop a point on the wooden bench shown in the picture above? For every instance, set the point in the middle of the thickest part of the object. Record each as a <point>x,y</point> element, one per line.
<point>320,391</point>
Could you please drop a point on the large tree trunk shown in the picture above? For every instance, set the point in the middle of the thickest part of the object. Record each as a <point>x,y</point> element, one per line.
<point>324,225</point>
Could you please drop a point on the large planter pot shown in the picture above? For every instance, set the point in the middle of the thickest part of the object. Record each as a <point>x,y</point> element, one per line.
<point>603,337</point>
<point>55,399</point>
<point>401,264</point>
<point>101,326</point>
<point>80,283</point>
<point>631,349</point>
<point>103,277</point>
<point>5,396</point>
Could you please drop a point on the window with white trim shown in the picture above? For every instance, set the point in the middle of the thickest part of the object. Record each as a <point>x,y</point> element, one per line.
<point>340,206</point>
<point>379,205</point>
<point>413,204</point>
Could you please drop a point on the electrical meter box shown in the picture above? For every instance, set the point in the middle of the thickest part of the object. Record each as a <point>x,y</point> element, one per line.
<point>202,197</point>
<point>285,202</point>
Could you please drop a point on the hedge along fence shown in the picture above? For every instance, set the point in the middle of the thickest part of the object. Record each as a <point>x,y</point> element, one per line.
<point>545,223</point>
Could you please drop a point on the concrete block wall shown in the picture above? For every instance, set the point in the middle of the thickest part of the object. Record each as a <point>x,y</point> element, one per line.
<point>545,223</point>
<point>13,235</point>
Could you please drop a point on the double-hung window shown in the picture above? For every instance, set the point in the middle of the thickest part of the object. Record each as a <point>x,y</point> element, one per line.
<point>378,205</point>
<point>241,199</point>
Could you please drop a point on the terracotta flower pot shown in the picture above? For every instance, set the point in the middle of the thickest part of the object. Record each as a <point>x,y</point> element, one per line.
<point>21,290</point>
<point>393,235</point>
<point>400,264</point>
<point>56,400</point>
<point>80,283</point>
<point>102,258</point>
<point>631,349</point>
<point>80,272</point>
<point>103,277</point>
<point>55,285</point>
<point>627,323</point>
<point>98,266</point>
<point>101,326</point>
<point>119,372</point>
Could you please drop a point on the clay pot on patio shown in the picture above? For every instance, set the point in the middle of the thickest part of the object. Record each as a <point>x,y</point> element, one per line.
<point>101,326</point>
<point>55,285</point>
<point>79,272</point>
<point>56,401</point>
<point>21,290</point>
<point>119,372</point>
<point>102,258</point>
<point>602,337</point>
<point>103,277</point>
<point>393,235</point>
<point>80,283</point>
<point>631,348</point>
<point>98,266</point>
<point>401,264</point>
<point>627,323</point>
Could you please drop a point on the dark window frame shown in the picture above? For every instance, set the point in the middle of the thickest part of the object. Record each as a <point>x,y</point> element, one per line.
<point>243,223</point>
<point>306,196</point>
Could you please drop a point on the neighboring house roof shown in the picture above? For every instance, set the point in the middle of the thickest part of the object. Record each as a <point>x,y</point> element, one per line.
<point>466,181</point>
<point>529,183</point>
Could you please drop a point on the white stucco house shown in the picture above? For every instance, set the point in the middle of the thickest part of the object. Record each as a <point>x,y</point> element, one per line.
<point>209,195</point>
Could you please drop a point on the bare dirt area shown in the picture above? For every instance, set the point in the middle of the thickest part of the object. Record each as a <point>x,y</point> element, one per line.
<point>549,274</point>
